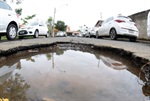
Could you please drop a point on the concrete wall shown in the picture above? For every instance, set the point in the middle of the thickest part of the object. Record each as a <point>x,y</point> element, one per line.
<point>141,22</point>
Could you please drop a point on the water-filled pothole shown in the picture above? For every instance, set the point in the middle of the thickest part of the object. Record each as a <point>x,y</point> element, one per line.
<point>70,73</point>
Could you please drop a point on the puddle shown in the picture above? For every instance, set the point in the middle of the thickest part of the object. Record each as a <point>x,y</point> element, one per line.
<point>70,73</point>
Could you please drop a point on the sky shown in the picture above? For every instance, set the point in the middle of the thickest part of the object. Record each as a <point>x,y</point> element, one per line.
<point>77,13</point>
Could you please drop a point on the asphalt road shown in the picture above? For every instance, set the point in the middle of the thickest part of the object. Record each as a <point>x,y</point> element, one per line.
<point>139,49</point>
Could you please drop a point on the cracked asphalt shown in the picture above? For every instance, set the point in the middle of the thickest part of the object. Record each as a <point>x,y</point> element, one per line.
<point>139,49</point>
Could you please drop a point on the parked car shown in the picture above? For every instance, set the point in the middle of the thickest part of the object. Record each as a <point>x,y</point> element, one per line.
<point>87,34</point>
<point>92,32</point>
<point>61,34</point>
<point>9,22</point>
<point>118,27</point>
<point>34,29</point>
<point>83,34</point>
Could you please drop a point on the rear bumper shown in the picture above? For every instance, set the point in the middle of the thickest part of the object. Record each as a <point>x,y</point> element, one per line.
<point>128,33</point>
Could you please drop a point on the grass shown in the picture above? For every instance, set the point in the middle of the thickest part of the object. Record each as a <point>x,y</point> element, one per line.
<point>3,38</point>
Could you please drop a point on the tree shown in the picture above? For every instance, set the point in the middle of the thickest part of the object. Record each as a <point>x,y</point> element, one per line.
<point>14,1</point>
<point>18,11</point>
<point>60,25</point>
<point>49,24</point>
<point>14,88</point>
<point>26,19</point>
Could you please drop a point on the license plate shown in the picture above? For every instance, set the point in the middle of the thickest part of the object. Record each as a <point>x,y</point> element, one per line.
<point>22,32</point>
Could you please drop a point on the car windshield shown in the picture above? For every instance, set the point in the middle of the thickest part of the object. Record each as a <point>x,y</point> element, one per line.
<point>125,18</point>
<point>34,24</point>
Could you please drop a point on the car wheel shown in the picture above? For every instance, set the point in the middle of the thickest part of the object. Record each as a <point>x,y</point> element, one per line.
<point>132,39</point>
<point>89,35</point>
<point>113,34</point>
<point>36,34</point>
<point>11,32</point>
<point>97,36</point>
<point>47,35</point>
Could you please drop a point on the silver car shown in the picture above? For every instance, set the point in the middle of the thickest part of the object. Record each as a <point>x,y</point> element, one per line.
<point>9,21</point>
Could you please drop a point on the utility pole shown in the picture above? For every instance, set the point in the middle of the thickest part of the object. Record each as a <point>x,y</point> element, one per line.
<point>100,15</point>
<point>53,33</point>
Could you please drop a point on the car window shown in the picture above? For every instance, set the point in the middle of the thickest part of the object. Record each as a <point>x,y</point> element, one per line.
<point>125,18</point>
<point>107,20</point>
<point>110,19</point>
<point>34,24</point>
<point>4,6</point>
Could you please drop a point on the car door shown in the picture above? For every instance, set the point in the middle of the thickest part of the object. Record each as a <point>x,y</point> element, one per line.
<point>45,29</point>
<point>6,14</point>
<point>102,29</point>
<point>1,16</point>
<point>108,26</point>
<point>42,29</point>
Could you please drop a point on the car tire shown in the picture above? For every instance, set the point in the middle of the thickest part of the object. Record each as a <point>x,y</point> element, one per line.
<point>97,36</point>
<point>36,34</point>
<point>132,39</point>
<point>47,35</point>
<point>113,34</point>
<point>90,35</point>
<point>11,32</point>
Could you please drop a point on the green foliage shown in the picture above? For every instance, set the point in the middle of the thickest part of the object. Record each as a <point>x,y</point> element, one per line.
<point>30,17</point>
<point>26,19</point>
<point>49,24</point>
<point>14,88</point>
<point>18,11</point>
<point>17,1</point>
<point>49,20</point>
<point>49,56</point>
<point>60,25</point>
<point>59,52</point>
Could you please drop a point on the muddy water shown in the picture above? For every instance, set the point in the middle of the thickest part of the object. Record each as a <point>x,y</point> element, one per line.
<point>70,74</point>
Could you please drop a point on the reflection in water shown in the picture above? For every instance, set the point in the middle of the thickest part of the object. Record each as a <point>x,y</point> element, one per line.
<point>72,75</point>
<point>112,63</point>
<point>14,88</point>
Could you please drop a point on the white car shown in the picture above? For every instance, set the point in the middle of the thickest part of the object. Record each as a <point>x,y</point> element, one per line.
<point>92,32</point>
<point>61,34</point>
<point>9,22</point>
<point>34,29</point>
<point>118,27</point>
